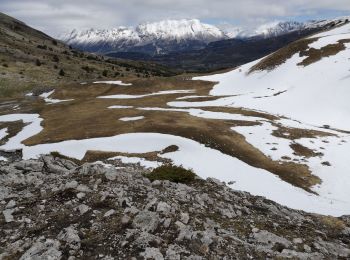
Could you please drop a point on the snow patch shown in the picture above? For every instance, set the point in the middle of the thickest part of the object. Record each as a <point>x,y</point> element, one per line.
<point>260,136</point>
<point>29,130</point>
<point>46,96</point>
<point>165,92</point>
<point>119,107</point>
<point>190,97</point>
<point>114,82</point>
<point>135,118</point>
<point>204,114</point>
<point>3,133</point>
<point>193,155</point>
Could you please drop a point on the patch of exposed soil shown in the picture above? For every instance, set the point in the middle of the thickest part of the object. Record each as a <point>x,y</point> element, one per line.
<point>281,56</point>
<point>313,55</point>
<point>300,150</point>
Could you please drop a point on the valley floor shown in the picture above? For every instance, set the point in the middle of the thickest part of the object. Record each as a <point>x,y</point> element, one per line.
<point>162,120</point>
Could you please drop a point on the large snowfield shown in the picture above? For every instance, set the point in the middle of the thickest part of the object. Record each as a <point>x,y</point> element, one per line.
<point>316,94</point>
<point>311,97</point>
<point>333,199</point>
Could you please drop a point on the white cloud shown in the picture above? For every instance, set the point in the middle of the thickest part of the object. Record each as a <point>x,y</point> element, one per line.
<point>54,16</point>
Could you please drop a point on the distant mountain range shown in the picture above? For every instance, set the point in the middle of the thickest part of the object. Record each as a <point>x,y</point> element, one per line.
<point>170,35</point>
<point>191,45</point>
<point>150,38</point>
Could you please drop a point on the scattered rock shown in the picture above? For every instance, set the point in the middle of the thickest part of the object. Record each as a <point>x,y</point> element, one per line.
<point>125,220</point>
<point>297,241</point>
<point>83,209</point>
<point>70,237</point>
<point>8,215</point>
<point>146,221</point>
<point>163,207</point>
<point>184,218</point>
<point>109,213</point>
<point>48,249</point>
<point>268,238</point>
<point>11,204</point>
<point>53,209</point>
<point>71,185</point>
<point>152,253</point>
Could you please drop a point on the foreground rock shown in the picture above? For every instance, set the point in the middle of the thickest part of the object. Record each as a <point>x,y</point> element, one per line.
<point>53,209</point>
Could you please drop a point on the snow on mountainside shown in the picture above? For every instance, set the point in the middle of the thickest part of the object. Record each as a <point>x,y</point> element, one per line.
<point>271,29</point>
<point>95,36</point>
<point>180,30</point>
<point>175,35</point>
<point>277,28</point>
<point>159,34</point>
<point>308,80</point>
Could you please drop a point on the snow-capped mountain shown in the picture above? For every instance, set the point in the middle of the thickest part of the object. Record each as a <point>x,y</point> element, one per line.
<point>175,36</point>
<point>159,37</point>
<point>180,30</point>
<point>279,28</point>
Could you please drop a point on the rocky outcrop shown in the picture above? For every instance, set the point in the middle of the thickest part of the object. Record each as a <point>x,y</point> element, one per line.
<point>54,209</point>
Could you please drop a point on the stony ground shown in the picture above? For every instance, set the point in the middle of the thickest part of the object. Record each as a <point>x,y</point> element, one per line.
<point>54,209</point>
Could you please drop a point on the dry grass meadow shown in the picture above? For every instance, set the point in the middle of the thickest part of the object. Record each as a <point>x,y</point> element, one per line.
<point>88,117</point>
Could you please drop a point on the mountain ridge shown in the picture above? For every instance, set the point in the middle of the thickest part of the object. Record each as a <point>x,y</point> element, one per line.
<point>164,37</point>
<point>191,34</point>
<point>32,59</point>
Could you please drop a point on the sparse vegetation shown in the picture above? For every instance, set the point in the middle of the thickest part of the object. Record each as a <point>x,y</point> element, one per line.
<point>332,223</point>
<point>172,173</point>
<point>281,56</point>
<point>43,47</point>
<point>297,133</point>
<point>61,156</point>
<point>301,150</point>
<point>170,149</point>
<point>55,58</point>
<point>313,55</point>
<point>87,69</point>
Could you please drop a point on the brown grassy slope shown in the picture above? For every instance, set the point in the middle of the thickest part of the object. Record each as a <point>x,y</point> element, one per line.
<point>313,55</point>
<point>281,56</point>
<point>30,58</point>
<point>89,117</point>
<point>302,47</point>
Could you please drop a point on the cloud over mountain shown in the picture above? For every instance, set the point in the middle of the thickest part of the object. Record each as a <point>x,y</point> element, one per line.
<point>56,16</point>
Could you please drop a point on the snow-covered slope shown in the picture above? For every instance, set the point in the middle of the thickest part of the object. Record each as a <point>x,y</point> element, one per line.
<point>276,28</point>
<point>310,85</point>
<point>160,34</point>
<point>279,28</point>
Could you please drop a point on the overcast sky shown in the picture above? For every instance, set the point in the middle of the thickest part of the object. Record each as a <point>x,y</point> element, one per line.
<point>57,16</point>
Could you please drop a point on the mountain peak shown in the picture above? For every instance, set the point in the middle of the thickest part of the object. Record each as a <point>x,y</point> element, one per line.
<point>162,34</point>
<point>183,29</point>
<point>171,35</point>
